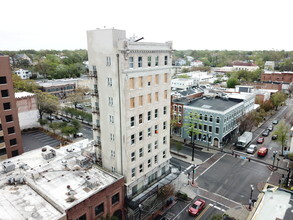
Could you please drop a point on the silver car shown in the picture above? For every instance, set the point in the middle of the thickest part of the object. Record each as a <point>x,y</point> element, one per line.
<point>251,149</point>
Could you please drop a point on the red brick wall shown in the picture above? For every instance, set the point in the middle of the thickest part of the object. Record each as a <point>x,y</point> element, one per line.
<point>105,196</point>
<point>26,104</point>
<point>277,77</point>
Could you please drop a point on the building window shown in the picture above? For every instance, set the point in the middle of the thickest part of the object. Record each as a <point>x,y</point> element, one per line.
<point>149,98</point>
<point>115,198</point>
<point>149,148</point>
<point>211,118</point>
<point>132,121</point>
<point>13,142</point>
<point>140,152</point>
<point>149,115</point>
<point>179,109</point>
<point>210,128</point>
<point>132,104</point>
<point>157,61</point>
<point>83,217</point>
<point>156,159</point>
<point>217,130</point>
<point>199,126</point>
<point>164,125</point>
<point>140,100</point>
<point>165,77</point>
<point>3,80</point>
<point>111,118</point>
<point>149,80</point>
<point>139,62</point>
<point>205,117</point>
<point>149,61</point>
<point>149,163</point>
<point>108,61</point>
<point>112,137</point>
<point>9,118</point>
<point>205,127</point>
<point>131,63</point>
<point>149,132</point>
<point>4,93</point>
<point>156,144</point>
<point>131,83</point>
<point>11,130</point>
<point>110,101</point>
<point>164,140</point>
<point>132,139</point>
<point>140,82</point>
<point>6,106</point>
<point>156,129</point>
<point>133,172</point>
<point>132,156</point>
<point>166,60</point>
<point>156,96</point>
<point>109,80</point>
<point>166,94</point>
<point>140,118</point>
<point>157,79</point>
<point>141,168</point>
<point>156,113</point>
<point>112,153</point>
<point>165,110</point>
<point>113,169</point>
<point>140,136</point>
<point>218,120</point>
<point>99,209</point>
<point>164,154</point>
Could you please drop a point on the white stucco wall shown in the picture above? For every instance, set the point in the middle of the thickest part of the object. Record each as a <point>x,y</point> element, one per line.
<point>28,119</point>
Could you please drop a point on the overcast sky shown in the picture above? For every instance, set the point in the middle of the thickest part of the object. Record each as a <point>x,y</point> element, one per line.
<point>190,24</point>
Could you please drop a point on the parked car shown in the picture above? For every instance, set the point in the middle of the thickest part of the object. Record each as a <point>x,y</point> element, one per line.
<point>271,127</point>
<point>51,118</point>
<point>275,122</point>
<point>260,140</point>
<point>251,149</point>
<point>79,134</point>
<point>196,207</point>
<point>66,120</point>
<point>262,151</point>
<point>88,105</point>
<point>266,133</point>
<point>79,106</point>
<point>274,137</point>
<point>58,117</point>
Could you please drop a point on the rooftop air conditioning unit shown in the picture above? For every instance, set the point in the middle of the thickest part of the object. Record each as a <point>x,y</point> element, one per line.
<point>8,166</point>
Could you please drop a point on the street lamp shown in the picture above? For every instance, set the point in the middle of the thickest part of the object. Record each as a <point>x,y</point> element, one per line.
<point>193,173</point>
<point>192,140</point>
<point>274,155</point>
<point>139,207</point>
<point>208,142</point>
<point>278,159</point>
<point>250,198</point>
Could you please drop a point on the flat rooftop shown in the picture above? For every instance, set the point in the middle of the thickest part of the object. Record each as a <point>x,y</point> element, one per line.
<point>216,104</point>
<point>55,179</point>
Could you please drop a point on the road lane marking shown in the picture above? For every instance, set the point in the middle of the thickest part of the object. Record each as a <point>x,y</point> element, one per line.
<point>210,166</point>
<point>182,211</point>
<point>202,213</point>
<point>217,207</point>
<point>214,201</point>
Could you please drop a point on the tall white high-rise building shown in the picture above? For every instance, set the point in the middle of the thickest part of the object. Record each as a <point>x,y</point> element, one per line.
<point>131,105</point>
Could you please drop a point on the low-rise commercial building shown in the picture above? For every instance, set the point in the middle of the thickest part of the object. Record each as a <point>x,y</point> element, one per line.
<point>277,77</point>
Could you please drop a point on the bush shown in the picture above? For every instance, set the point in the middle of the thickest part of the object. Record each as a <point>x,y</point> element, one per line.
<point>182,196</point>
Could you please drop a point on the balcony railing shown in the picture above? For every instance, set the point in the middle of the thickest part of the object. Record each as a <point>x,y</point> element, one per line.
<point>96,128</point>
<point>93,73</point>
<point>96,110</point>
<point>97,143</point>
<point>95,92</point>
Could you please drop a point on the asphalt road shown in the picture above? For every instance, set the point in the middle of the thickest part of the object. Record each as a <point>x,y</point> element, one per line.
<point>181,165</point>
<point>231,178</point>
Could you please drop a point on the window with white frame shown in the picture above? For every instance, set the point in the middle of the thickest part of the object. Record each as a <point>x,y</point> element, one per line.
<point>149,148</point>
<point>205,117</point>
<point>156,129</point>
<point>165,110</point>
<point>149,61</point>
<point>108,61</point>
<point>149,115</point>
<point>166,60</point>
<point>131,63</point>
<point>140,152</point>
<point>133,172</point>
<point>111,118</point>
<point>132,139</point>
<point>112,153</point>
<point>217,130</point>
<point>164,140</point>
<point>164,154</point>
<point>109,80</point>
<point>141,168</point>
<point>156,113</point>
<point>156,144</point>
<point>139,62</point>
<point>179,108</point>
<point>157,61</point>
<point>218,120</point>
<point>164,125</point>
<point>156,159</point>
<point>113,169</point>
<point>211,118</point>
<point>110,101</point>
<point>132,121</point>
<point>149,163</point>
<point>210,128</point>
<point>112,137</point>
<point>205,127</point>
<point>140,136</point>
<point>149,132</point>
<point>140,118</point>
<point>132,156</point>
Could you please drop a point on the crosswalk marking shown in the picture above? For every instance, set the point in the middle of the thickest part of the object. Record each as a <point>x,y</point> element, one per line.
<point>217,207</point>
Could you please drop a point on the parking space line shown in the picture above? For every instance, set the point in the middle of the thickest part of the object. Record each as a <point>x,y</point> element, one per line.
<point>181,211</point>
<point>203,212</point>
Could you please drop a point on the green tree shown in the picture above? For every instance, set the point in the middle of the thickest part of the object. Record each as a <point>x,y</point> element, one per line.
<point>278,98</point>
<point>76,97</point>
<point>76,125</point>
<point>165,192</point>
<point>184,76</point>
<point>21,85</point>
<point>232,82</point>
<point>46,103</point>
<point>178,146</point>
<point>68,130</point>
<point>282,131</point>
<point>42,122</point>
<point>54,126</point>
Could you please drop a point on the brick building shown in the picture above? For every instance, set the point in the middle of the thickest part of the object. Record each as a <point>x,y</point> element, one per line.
<point>281,77</point>
<point>10,136</point>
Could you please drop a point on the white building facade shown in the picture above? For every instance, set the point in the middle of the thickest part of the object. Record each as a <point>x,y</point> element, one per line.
<point>131,106</point>
<point>23,74</point>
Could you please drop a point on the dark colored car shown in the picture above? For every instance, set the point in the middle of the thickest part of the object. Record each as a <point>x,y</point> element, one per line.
<point>274,137</point>
<point>66,120</point>
<point>262,151</point>
<point>260,140</point>
<point>51,118</point>
<point>196,207</point>
<point>266,133</point>
<point>275,122</point>
<point>58,117</point>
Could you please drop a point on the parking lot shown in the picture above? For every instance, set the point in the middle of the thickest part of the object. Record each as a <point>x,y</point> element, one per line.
<point>36,139</point>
